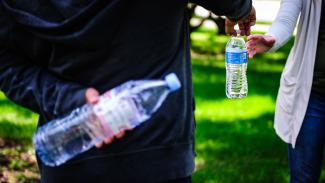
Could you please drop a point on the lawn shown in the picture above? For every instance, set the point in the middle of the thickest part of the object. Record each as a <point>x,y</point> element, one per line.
<point>235,140</point>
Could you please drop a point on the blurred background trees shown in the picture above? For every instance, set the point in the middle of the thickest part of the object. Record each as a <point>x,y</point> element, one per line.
<point>198,19</point>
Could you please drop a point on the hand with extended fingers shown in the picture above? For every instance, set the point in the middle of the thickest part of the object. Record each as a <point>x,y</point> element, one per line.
<point>259,44</point>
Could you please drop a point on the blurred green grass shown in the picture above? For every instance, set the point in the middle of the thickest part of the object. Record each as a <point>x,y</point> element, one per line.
<point>16,123</point>
<point>235,140</point>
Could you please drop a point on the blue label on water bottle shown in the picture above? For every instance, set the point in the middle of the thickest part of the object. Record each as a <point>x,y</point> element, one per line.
<point>237,57</point>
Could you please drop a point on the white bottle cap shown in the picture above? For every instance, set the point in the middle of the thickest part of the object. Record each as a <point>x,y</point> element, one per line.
<point>173,82</point>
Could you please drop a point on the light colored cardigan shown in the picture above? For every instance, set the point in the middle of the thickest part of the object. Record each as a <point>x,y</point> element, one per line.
<point>297,76</point>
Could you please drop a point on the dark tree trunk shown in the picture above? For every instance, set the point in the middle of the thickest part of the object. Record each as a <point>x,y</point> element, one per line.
<point>219,21</point>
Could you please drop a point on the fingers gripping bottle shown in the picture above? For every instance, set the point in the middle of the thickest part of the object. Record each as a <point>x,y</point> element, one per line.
<point>236,66</point>
<point>123,107</point>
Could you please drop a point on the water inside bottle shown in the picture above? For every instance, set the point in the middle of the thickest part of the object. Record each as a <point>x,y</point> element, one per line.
<point>236,66</point>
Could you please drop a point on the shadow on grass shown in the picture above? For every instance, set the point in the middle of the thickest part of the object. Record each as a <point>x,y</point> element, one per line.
<point>237,151</point>
<point>240,151</point>
<point>209,82</point>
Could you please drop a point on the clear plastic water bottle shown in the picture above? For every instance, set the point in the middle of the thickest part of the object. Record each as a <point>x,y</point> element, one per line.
<point>236,66</point>
<point>123,107</point>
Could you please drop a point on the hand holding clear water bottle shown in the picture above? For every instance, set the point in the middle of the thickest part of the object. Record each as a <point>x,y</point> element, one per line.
<point>259,44</point>
<point>102,119</point>
<point>245,24</point>
<point>92,97</point>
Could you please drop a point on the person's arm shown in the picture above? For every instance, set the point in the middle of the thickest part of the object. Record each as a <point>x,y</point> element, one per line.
<point>283,26</point>
<point>239,12</point>
<point>234,9</point>
<point>280,31</point>
<point>33,86</point>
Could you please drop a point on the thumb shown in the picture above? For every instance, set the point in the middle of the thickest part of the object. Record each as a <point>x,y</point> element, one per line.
<point>255,37</point>
<point>269,40</point>
<point>92,95</point>
<point>230,27</point>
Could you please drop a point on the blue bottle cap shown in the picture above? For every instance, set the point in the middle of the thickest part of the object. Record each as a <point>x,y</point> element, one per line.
<point>173,82</point>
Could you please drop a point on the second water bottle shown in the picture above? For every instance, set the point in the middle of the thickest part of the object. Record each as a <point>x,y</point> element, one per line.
<point>123,107</point>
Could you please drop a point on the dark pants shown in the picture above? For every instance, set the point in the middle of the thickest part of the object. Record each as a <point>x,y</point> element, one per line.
<point>306,158</point>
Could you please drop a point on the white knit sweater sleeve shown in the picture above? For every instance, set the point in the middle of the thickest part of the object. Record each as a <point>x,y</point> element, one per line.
<point>284,24</point>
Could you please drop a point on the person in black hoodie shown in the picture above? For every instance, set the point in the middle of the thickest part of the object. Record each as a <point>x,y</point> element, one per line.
<point>56,55</point>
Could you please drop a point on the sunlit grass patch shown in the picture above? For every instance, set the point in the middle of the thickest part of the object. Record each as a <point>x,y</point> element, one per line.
<point>230,110</point>
<point>16,123</point>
